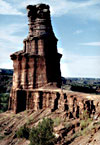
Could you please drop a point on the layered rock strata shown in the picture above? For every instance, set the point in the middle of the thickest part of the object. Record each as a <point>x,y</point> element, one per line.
<point>38,64</point>
<point>70,102</point>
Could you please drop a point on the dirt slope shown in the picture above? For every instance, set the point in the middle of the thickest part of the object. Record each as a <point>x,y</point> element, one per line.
<point>73,131</point>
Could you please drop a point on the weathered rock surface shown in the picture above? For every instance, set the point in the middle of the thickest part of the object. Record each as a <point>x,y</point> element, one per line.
<point>38,64</point>
<point>66,106</point>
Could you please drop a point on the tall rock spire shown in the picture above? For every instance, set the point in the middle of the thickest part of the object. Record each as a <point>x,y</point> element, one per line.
<point>38,64</point>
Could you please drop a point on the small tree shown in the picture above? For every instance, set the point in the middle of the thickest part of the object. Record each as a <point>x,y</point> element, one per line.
<point>43,133</point>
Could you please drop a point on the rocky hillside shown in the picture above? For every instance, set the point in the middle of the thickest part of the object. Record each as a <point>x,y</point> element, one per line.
<point>81,128</point>
<point>5,83</point>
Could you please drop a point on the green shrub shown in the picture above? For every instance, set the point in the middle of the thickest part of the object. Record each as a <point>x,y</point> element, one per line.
<point>57,121</point>
<point>23,132</point>
<point>84,115</point>
<point>4,97</point>
<point>43,133</point>
<point>85,123</point>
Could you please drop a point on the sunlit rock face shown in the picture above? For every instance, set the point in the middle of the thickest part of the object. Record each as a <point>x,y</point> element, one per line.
<point>38,64</point>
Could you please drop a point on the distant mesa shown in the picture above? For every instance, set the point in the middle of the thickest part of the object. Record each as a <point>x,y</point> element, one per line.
<point>6,71</point>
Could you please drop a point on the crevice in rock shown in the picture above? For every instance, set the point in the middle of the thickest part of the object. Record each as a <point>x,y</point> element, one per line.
<point>56,102</point>
<point>41,100</point>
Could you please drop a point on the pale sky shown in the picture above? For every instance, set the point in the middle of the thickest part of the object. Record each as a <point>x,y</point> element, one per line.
<point>76,24</point>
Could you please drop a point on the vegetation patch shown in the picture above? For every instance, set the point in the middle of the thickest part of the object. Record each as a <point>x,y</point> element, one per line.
<point>85,123</point>
<point>87,85</point>
<point>85,127</point>
<point>4,98</point>
<point>85,120</point>
<point>23,132</point>
<point>5,87</point>
<point>57,121</point>
<point>42,134</point>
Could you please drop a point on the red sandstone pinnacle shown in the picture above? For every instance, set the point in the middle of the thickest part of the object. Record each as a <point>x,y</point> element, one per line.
<point>38,64</point>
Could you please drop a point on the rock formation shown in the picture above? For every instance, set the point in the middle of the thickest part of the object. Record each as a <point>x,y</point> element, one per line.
<point>70,112</point>
<point>36,83</point>
<point>38,64</point>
